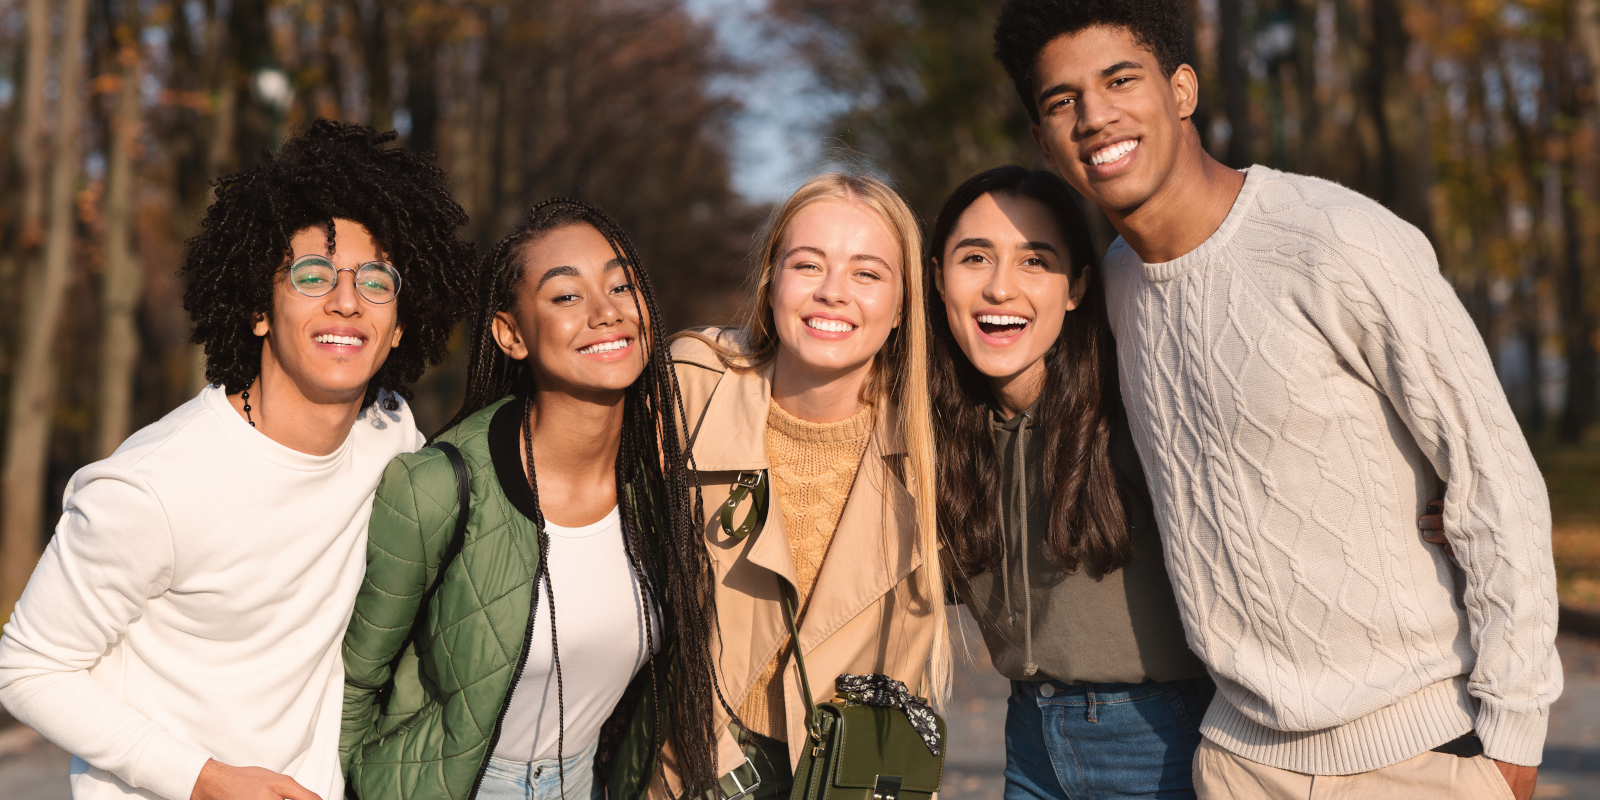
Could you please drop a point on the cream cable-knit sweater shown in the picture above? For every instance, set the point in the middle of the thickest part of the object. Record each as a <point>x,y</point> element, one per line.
<point>1300,385</point>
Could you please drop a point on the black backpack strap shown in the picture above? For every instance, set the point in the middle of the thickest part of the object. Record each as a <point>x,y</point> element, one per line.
<point>463,485</point>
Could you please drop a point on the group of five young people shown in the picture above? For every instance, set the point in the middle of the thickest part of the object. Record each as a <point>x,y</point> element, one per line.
<point>887,423</point>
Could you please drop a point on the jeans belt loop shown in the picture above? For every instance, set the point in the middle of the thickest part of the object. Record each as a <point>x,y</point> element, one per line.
<point>1088,701</point>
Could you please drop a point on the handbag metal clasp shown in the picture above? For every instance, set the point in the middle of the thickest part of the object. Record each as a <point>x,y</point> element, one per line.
<point>744,791</point>
<point>887,787</point>
<point>748,479</point>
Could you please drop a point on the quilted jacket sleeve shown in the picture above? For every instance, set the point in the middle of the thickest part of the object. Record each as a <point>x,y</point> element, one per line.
<point>413,519</point>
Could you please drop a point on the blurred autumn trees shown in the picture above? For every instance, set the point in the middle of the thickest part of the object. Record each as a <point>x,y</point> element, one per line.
<point>117,114</point>
<point>1474,120</point>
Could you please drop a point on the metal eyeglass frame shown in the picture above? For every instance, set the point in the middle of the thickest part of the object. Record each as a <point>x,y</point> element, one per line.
<point>355,273</point>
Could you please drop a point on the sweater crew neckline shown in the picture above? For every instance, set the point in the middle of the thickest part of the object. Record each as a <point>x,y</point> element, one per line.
<point>856,427</point>
<point>1219,238</point>
<point>215,398</point>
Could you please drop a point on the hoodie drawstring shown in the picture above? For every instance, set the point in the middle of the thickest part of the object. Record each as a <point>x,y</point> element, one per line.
<point>1005,556</point>
<point>1020,511</point>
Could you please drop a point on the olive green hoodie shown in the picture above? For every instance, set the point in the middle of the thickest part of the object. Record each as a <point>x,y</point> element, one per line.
<point>1122,627</point>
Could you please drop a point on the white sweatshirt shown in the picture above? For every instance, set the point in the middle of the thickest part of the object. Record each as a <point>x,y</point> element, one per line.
<point>192,602</point>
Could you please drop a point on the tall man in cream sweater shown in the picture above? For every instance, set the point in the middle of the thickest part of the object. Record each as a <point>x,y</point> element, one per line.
<point>1301,380</point>
<point>180,637</point>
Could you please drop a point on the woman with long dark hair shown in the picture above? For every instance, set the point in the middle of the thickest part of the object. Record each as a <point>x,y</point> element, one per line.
<point>575,610</point>
<point>1042,500</point>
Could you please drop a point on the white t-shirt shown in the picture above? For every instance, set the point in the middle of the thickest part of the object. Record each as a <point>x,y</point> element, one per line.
<point>600,621</point>
<point>192,603</point>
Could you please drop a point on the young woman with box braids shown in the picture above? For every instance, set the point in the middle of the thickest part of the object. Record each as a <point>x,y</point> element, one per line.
<point>568,321</point>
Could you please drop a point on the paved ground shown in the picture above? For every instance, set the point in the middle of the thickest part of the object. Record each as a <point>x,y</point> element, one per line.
<point>31,769</point>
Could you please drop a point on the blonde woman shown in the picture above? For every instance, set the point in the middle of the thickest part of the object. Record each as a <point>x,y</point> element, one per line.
<point>822,395</point>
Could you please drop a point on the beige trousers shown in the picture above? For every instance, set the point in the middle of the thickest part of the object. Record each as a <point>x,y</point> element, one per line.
<point>1221,775</point>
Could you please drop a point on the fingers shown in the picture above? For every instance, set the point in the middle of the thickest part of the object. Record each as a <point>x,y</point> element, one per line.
<point>292,790</point>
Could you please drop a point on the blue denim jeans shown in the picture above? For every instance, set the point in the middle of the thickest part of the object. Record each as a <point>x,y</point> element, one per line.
<point>505,779</point>
<point>1101,740</point>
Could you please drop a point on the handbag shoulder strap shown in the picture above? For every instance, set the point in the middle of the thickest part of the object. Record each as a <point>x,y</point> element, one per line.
<point>813,722</point>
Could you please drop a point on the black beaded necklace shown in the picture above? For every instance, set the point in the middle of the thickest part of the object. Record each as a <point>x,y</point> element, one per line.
<point>245,396</point>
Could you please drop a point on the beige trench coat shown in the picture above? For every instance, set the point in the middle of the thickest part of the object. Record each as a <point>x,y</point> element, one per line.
<point>865,614</point>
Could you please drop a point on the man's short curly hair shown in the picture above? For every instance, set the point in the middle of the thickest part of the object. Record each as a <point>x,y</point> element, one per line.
<point>1026,27</point>
<point>330,170</point>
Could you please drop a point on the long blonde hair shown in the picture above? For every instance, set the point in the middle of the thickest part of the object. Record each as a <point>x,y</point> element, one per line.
<point>899,370</point>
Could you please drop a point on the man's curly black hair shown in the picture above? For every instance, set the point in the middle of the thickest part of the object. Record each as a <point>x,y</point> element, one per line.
<point>330,170</point>
<point>1025,27</point>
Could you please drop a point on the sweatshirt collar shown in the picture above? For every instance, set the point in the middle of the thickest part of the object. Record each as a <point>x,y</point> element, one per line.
<point>215,398</point>
<point>1254,177</point>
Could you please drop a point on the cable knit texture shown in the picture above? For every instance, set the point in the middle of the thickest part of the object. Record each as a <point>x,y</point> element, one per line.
<point>813,466</point>
<point>1300,385</point>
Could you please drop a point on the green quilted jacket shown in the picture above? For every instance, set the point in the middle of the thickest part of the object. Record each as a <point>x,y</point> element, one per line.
<point>426,689</point>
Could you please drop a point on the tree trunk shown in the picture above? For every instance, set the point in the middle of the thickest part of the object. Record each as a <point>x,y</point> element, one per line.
<point>1235,83</point>
<point>1577,325</point>
<point>30,127</point>
<point>250,45</point>
<point>33,388</point>
<point>1579,320</point>
<point>380,111</point>
<point>422,98</point>
<point>119,348</point>
<point>1404,175</point>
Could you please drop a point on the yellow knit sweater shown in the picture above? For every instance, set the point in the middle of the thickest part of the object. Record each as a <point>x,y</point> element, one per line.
<point>813,466</point>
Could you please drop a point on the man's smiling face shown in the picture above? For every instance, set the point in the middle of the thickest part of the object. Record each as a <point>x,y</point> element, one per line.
<point>1109,121</point>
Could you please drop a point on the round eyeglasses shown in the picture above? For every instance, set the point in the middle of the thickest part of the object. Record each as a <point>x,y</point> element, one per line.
<point>314,276</point>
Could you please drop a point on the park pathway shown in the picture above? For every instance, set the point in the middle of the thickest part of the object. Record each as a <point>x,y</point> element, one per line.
<point>31,769</point>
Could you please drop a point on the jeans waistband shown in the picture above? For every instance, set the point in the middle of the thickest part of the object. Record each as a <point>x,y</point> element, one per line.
<point>533,769</point>
<point>1089,692</point>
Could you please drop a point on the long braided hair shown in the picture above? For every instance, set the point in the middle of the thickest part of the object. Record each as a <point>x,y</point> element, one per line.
<point>657,494</point>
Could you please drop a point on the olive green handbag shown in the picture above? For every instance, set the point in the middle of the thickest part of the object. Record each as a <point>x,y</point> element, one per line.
<point>863,745</point>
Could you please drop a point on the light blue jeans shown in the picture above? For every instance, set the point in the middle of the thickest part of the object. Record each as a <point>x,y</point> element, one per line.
<point>505,779</point>
<point>1103,740</point>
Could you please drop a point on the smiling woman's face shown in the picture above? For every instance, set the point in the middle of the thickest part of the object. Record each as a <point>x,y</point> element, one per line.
<point>1005,278</point>
<point>837,289</point>
<point>575,313</point>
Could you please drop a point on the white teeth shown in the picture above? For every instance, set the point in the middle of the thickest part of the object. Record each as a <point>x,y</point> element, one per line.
<point>1114,152</point>
<point>328,338</point>
<point>606,347</point>
<point>999,319</point>
<point>833,325</point>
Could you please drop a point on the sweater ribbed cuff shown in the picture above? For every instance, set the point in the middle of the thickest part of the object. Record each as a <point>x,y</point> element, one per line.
<point>1514,737</point>
<point>168,767</point>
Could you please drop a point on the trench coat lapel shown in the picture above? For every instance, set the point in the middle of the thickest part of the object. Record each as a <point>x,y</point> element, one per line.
<point>874,545</point>
<point>738,442</point>
<point>732,434</point>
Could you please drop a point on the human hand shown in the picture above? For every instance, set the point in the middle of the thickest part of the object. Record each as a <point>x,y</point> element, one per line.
<point>1521,779</point>
<point>1432,525</point>
<point>218,781</point>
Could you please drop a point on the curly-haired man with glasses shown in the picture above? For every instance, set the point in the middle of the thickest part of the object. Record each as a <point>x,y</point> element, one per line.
<point>180,636</point>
